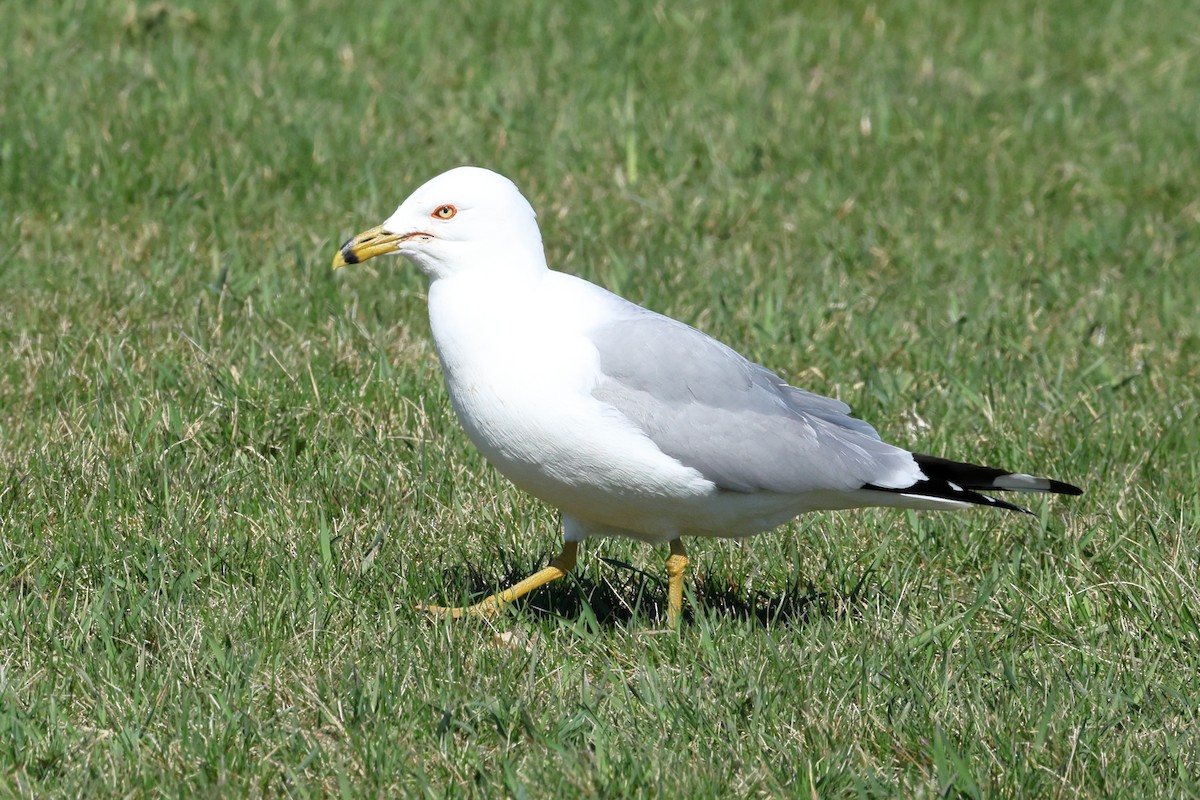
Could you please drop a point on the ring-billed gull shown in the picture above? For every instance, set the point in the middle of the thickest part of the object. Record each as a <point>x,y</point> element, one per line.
<point>629,422</point>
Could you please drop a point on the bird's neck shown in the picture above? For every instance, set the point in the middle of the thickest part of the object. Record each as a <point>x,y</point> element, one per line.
<point>470,314</point>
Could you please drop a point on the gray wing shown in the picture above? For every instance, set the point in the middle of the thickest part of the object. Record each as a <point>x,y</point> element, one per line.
<point>737,423</point>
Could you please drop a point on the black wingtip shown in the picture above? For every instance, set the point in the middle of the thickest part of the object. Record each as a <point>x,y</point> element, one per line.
<point>1060,487</point>
<point>940,490</point>
<point>975,476</point>
<point>962,482</point>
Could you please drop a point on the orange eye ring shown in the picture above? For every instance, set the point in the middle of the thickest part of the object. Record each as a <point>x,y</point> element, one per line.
<point>444,212</point>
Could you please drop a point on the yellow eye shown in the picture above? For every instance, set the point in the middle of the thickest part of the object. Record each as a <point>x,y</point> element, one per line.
<point>444,212</point>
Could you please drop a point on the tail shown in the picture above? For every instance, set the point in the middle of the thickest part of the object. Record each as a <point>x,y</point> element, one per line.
<point>957,481</point>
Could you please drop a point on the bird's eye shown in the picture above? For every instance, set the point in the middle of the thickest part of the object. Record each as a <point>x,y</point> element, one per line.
<point>444,212</point>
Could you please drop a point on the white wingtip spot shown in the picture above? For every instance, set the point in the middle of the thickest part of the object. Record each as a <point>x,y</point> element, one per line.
<point>1020,482</point>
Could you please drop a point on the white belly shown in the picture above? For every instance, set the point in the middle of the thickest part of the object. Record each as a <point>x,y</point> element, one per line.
<point>520,375</point>
<point>520,381</point>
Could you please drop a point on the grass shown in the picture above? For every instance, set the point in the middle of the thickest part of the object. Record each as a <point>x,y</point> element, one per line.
<point>227,475</point>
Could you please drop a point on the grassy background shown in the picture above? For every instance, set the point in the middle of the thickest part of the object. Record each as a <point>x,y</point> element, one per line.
<point>226,474</point>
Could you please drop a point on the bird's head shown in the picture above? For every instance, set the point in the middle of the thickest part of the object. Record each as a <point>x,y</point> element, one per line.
<point>466,219</point>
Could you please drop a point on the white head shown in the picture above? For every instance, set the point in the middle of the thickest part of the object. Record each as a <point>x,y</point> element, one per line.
<point>466,219</point>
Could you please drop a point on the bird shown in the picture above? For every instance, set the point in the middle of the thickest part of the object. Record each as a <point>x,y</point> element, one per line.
<point>631,423</point>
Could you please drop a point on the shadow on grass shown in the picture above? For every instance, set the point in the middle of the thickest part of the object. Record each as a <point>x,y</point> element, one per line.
<point>625,593</point>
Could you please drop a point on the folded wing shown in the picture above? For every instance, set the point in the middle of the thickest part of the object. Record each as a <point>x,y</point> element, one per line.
<point>737,423</point>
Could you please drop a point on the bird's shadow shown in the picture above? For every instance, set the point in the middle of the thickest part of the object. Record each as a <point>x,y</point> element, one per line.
<point>624,593</point>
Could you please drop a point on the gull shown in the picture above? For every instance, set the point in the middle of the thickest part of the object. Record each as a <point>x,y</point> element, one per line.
<point>629,422</point>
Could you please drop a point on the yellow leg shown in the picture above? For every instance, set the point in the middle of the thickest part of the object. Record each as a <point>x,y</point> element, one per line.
<point>676,568</point>
<point>491,606</point>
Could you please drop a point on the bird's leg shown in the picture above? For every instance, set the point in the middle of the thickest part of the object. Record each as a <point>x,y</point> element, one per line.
<point>491,606</point>
<point>676,568</point>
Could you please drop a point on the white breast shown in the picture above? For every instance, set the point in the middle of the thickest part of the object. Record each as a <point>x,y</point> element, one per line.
<point>520,370</point>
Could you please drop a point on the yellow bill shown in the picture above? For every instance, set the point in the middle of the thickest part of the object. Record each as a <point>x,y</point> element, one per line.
<point>368,244</point>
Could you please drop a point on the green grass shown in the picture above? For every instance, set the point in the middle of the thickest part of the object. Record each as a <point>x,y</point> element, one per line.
<point>227,475</point>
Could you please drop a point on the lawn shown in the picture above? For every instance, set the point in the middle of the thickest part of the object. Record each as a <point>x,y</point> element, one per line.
<point>228,474</point>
